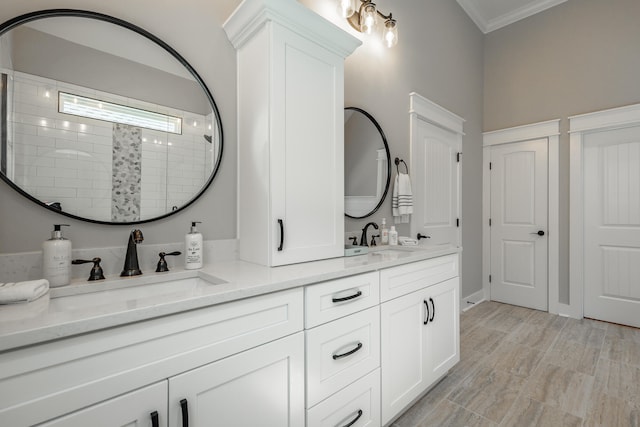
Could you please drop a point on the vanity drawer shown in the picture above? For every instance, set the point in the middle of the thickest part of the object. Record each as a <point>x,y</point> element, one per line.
<point>331,300</point>
<point>359,400</point>
<point>398,281</point>
<point>340,352</point>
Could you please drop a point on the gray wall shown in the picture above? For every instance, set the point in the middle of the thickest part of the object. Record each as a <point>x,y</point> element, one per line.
<point>578,57</point>
<point>439,55</point>
<point>193,28</point>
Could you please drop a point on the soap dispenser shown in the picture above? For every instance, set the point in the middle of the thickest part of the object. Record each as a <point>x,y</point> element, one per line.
<point>56,258</point>
<point>384,232</point>
<point>193,248</point>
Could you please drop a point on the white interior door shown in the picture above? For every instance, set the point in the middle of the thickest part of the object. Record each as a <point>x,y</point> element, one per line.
<point>519,223</point>
<point>612,226</point>
<point>435,173</point>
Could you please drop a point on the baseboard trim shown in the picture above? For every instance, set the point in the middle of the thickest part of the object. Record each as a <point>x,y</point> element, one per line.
<point>472,300</point>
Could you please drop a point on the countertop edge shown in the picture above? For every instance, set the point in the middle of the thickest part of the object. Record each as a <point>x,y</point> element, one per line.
<point>229,292</point>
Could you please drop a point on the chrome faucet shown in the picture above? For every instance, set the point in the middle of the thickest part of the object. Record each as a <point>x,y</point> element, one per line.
<point>363,238</point>
<point>131,267</point>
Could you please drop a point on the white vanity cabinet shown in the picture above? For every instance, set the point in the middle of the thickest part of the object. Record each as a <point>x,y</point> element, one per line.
<point>290,132</point>
<point>244,347</point>
<point>419,330</point>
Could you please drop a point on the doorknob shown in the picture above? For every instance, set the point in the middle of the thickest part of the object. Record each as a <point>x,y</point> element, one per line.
<point>539,233</point>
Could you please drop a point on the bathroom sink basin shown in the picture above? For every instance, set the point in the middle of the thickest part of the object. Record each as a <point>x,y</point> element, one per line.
<point>152,283</point>
<point>128,296</point>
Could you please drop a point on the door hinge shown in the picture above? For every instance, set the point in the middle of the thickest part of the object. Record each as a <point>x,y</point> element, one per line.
<point>489,165</point>
<point>458,157</point>
<point>489,278</point>
<point>457,222</point>
<point>489,222</point>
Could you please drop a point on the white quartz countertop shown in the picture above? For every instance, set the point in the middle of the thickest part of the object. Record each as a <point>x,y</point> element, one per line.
<point>89,306</point>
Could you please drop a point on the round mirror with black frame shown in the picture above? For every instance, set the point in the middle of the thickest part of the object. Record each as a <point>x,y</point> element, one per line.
<point>367,165</point>
<point>102,121</point>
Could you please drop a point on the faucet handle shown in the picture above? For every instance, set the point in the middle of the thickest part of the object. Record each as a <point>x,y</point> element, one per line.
<point>162,264</point>
<point>373,239</point>
<point>96,271</point>
<point>354,240</point>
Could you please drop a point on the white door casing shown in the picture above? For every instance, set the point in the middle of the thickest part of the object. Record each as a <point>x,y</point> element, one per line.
<point>436,145</point>
<point>519,224</point>
<point>549,132</point>
<point>612,225</point>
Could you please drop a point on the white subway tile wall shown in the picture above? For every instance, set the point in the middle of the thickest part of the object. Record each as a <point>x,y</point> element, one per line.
<point>68,159</point>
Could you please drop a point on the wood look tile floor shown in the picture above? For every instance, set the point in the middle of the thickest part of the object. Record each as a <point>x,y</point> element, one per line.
<point>521,368</point>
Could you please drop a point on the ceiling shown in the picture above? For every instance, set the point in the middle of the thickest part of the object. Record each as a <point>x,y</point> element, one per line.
<point>490,15</point>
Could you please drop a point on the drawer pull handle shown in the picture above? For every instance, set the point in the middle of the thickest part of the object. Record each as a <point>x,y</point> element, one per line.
<point>348,353</point>
<point>185,413</point>
<point>356,295</point>
<point>154,419</point>
<point>355,420</point>
<point>433,310</point>
<point>426,319</point>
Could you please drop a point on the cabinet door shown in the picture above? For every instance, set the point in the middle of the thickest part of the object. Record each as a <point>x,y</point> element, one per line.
<point>136,409</point>
<point>263,387</point>
<point>404,358</point>
<point>420,342</point>
<point>443,329</point>
<point>307,150</point>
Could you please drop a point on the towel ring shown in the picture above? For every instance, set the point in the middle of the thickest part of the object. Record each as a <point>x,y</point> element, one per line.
<point>397,161</point>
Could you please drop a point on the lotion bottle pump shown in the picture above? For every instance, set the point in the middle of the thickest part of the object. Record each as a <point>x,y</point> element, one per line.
<point>393,236</point>
<point>193,248</point>
<point>56,258</point>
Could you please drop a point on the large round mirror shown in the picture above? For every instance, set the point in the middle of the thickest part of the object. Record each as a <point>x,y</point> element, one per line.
<point>102,121</point>
<point>367,164</point>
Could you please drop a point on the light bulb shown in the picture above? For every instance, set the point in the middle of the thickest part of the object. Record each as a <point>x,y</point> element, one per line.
<point>346,8</point>
<point>368,18</point>
<point>390,33</point>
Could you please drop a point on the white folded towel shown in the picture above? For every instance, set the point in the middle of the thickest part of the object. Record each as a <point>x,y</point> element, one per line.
<point>402,200</point>
<point>17,292</point>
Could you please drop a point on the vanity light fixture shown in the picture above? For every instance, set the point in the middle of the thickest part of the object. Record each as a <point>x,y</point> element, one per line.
<point>364,19</point>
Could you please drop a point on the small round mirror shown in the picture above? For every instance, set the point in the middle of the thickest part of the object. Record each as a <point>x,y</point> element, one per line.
<point>367,164</point>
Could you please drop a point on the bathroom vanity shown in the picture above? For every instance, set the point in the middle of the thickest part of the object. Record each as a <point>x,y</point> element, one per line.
<point>317,344</point>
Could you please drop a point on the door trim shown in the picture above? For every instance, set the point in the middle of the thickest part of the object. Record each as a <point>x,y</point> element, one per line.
<point>551,131</point>
<point>580,126</point>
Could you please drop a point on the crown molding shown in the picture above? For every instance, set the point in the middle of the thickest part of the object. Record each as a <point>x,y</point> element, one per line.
<point>487,25</point>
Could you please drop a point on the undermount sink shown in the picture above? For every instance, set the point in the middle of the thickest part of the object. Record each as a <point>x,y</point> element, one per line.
<point>393,252</point>
<point>138,285</point>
